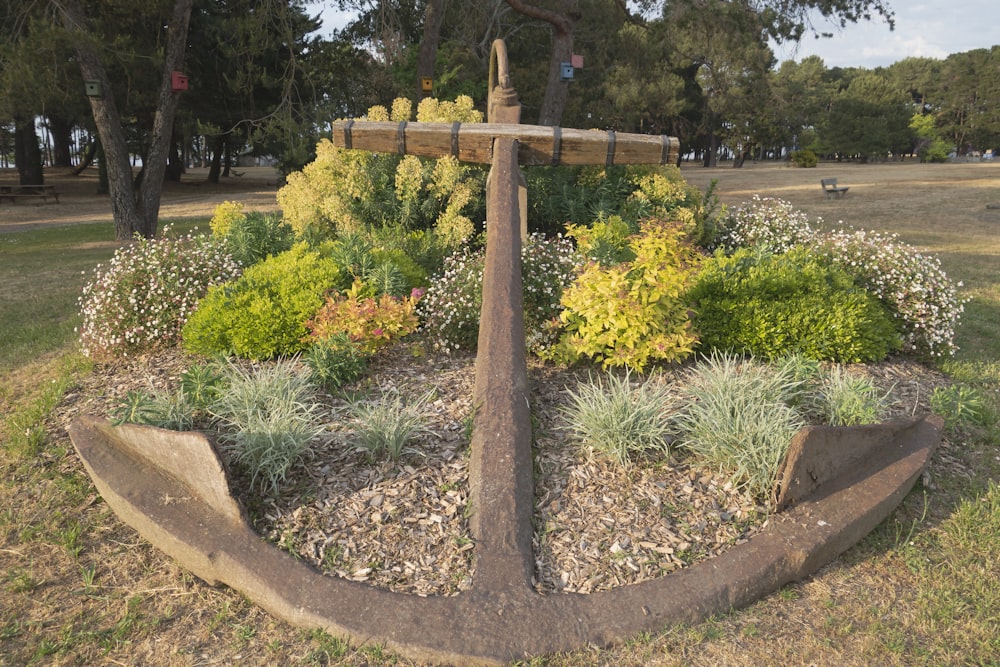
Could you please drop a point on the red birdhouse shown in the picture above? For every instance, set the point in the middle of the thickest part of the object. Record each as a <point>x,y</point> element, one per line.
<point>178,81</point>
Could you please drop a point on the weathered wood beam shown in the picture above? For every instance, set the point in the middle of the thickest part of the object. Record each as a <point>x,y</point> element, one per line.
<point>539,145</point>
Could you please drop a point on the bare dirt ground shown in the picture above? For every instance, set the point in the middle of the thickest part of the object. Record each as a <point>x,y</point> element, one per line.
<point>194,196</point>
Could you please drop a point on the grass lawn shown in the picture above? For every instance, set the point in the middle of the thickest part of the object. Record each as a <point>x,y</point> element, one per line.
<point>78,587</point>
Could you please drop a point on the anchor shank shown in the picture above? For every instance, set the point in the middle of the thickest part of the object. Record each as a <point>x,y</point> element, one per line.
<point>501,483</point>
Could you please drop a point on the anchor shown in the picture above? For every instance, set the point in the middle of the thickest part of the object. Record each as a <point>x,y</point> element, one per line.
<point>835,486</point>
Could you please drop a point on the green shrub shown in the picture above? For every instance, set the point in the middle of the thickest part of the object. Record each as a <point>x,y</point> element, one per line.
<point>618,419</point>
<point>335,361</point>
<point>632,314</point>
<point>264,313</point>
<point>141,300</point>
<point>269,415</point>
<point>959,404</point>
<point>773,305</point>
<point>734,415</point>
<point>256,236</point>
<point>804,158</point>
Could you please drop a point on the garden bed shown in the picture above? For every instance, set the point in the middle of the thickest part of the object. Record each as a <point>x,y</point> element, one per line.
<point>403,525</point>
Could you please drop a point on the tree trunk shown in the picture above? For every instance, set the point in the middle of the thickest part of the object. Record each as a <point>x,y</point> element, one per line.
<point>563,23</point>
<point>27,154</point>
<point>175,165</point>
<point>427,54</point>
<point>61,131</point>
<point>87,159</point>
<point>135,212</point>
<point>216,168</point>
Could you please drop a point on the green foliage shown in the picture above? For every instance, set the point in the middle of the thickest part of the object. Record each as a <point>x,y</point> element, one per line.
<point>605,241</point>
<point>335,361</point>
<point>959,404</point>
<point>349,190</point>
<point>263,314</point>
<point>619,419</point>
<point>805,158</point>
<point>772,305</point>
<point>369,322</point>
<point>269,416</point>
<point>257,236</point>
<point>735,415</point>
<point>144,296</point>
<point>632,314</point>
<point>384,427</point>
<point>163,410</point>
<point>450,308</point>
<point>849,400</point>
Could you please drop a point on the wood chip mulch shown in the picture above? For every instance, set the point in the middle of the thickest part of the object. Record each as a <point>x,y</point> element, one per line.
<point>404,525</point>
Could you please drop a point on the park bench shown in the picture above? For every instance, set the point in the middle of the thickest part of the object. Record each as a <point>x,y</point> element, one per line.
<point>15,192</point>
<point>831,188</point>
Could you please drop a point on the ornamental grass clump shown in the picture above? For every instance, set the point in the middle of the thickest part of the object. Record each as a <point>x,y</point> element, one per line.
<point>142,298</point>
<point>734,415</point>
<point>923,301</point>
<point>267,415</point>
<point>620,419</point>
<point>386,425</point>
<point>845,399</point>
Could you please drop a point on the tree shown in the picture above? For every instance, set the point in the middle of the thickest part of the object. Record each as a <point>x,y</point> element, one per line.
<point>869,118</point>
<point>135,201</point>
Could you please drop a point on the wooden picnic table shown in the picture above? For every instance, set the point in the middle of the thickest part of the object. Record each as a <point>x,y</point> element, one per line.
<point>15,192</point>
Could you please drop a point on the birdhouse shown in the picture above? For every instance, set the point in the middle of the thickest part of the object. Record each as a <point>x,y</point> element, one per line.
<point>178,81</point>
<point>426,84</point>
<point>577,61</point>
<point>93,89</point>
<point>566,71</point>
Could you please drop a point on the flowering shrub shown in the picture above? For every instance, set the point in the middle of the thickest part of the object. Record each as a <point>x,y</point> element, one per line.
<point>223,217</point>
<point>918,293</point>
<point>371,323</point>
<point>263,314</point>
<point>450,309</point>
<point>632,313</point>
<point>773,224</point>
<point>765,305</point>
<point>146,293</point>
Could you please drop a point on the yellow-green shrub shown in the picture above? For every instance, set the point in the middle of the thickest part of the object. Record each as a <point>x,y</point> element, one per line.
<point>632,314</point>
<point>262,315</point>
<point>347,190</point>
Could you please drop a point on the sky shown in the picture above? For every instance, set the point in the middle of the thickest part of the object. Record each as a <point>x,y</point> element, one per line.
<point>927,28</point>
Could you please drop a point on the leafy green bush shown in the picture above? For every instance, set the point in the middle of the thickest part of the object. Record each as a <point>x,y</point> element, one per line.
<point>632,314</point>
<point>141,300</point>
<point>959,404</point>
<point>180,410</point>
<point>264,313</point>
<point>734,415</point>
<point>772,305</point>
<point>923,300</point>
<point>618,419</point>
<point>450,308</point>
<point>268,414</point>
<point>805,158</point>
<point>256,236</point>
<point>335,361</point>
<point>349,190</point>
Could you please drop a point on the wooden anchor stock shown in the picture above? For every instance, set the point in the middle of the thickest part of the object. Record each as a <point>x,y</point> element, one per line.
<point>538,145</point>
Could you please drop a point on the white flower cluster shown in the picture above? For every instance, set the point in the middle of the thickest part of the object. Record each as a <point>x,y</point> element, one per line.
<point>450,308</point>
<point>146,293</point>
<point>767,222</point>
<point>913,286</point>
